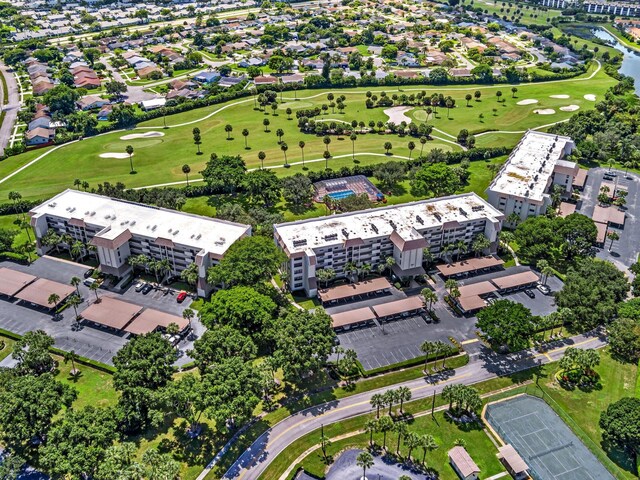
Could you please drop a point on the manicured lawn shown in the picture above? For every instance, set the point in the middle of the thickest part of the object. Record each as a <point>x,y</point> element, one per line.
<point>584,407</point>
<point>510,7</point>
<point>160,159</point>
<point>6,222</point>
<point>95,388</point>
<point>8,347</point>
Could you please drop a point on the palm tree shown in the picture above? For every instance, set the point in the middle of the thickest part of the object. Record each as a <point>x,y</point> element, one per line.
<point>284,147</point>
<point>377,402</point>
<point>498,94</point>
<point>427,443</point>
<point>427,348</point>
<point>53,299</point>
<point>461,248</point>
<point>401,429</point>
<point>411,146</point>
<point>301,144</point>
<point>76,249</point>
<point>266,123</point>
<point>76,183</point>
<point>326,140</point>
<point>385,424</point>
<point>288,111</point>
<point>364,461</point>
<point>129,151</point>
<point>74,301</point>
<point>228,128</point>
<point>324,443</point>
<point>71,357</point>
<point>164,267</point>
<point>245,134</point>
<point>75,281</point>
<point>387,147</point>
<point>261,157</point>
<point>186,169</point>
<point>353,137</point>
<point>326,155</point>
<point>390,397</point>
<point>423,140</point>
<point>197,139</point>
<point>371,426</point>
<point>613,236</point>
<point>188,315</point>
<point>448,103</point>
<point>441,347</point>
<point>514,90</point>
<point>468,98</point>
<point>450,284</point>
<point>404,395</point>
<point>411,440</point>
<point>477,94</point>
<point>279,134</point>
<point>94,288</point>
<point>429,297</point>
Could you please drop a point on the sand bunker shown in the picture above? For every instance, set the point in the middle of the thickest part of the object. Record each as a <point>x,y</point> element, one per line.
<point>528,101</point>
<point>545,111</point>
<point>114,155</point>
<point>397,114</point>
<point>559,96</point>
<point>590,96</point>
<point>570,108</point>
<point>133,136</point>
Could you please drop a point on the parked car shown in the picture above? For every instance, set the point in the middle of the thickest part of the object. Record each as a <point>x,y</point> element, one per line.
<point>544,289</point>
<point>530,293</point>
<point>140,286</point>
<point>491,300</point>
<point>181,297</point>
<point>147,288</point>
<point>89,281</point>
<point>88,273</point>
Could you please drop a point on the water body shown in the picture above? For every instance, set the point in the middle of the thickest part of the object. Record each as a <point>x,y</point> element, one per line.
<point>630,58</point>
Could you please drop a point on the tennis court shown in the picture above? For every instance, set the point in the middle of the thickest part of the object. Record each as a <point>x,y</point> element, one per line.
<point>543,440</point>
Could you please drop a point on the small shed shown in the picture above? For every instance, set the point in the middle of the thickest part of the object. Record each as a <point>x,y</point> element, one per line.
<point>463,464</point>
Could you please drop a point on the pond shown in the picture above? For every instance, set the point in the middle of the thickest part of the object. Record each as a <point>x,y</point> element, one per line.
<point>630,58</point>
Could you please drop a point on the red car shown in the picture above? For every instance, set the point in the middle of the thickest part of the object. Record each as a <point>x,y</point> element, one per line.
<point>181,296</point>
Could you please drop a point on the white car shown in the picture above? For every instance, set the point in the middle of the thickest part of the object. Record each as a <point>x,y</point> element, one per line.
<point>139,286</point>
<point>544,289</point>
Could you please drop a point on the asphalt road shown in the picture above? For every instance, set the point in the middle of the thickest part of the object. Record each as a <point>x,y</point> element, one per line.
<point>483,365</point>
<point>11,108</point>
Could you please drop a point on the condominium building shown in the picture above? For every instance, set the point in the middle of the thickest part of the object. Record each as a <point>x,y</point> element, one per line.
<point>525,182</point>
<point>370,236</point>
<point>119,229</point>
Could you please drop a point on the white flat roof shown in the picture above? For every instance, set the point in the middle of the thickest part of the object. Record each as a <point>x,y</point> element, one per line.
<point>527,170</point>
<point>406,219</point>
<point>211,234</point>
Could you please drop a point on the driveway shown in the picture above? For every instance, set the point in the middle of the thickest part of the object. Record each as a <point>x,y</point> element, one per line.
<point>625,251</point>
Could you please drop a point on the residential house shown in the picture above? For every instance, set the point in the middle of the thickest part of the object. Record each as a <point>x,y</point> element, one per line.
<point>39,136</point>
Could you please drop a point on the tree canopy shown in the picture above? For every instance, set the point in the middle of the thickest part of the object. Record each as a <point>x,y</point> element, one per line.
<point>592,290</point>
<point>624,339</point>
<point>225,173</point>
<point>32,353</point>
<point>435,180</point>
<point>249,261</point>
<point>621,424</point>
<point>507,323</point>
<point>219,343</point>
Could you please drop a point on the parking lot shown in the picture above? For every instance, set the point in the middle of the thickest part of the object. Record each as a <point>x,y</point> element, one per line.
<point>624,251</point>
<point>399,340</point>
<point>99,344</point>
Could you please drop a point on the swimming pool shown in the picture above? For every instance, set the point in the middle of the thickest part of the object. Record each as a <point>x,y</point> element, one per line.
<point>341,194</point>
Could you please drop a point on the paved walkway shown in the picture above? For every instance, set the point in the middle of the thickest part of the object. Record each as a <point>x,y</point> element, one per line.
<point>11,108</point>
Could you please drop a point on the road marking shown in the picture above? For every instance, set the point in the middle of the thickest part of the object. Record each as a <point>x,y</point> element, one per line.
<point>467,342</point>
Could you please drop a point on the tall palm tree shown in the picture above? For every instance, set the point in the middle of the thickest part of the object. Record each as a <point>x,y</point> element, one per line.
<point>404,395</point>
<point>353,137</point>
<point>186,169</point>
<point>411,146</point>
<point>461,247</point>
<point>129,150</point>
<point>74,301</point>
<point>401,429</point>
<point>411,440</point>
<point>385,424</point>
<point>377,402</point>
<point>284,147</point>
<point>428,444</point>
<point>279,134</point>
<point>429,297</point>
<point>364,461</point>
<point>76,249</point>
<point>188,314</point>
<point>245,134</point>
<point>427,348</point>
<point>450,284</point>
<point>94,288</point>
<point>261,157</point>
<point>75,282</point>
<point>71,357</point>
<point>390,397</point>
<point>301,144</point>
<point>228,128</point>
<point>197,139</point>
<point>53,299</point>
<point>371,426</point>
